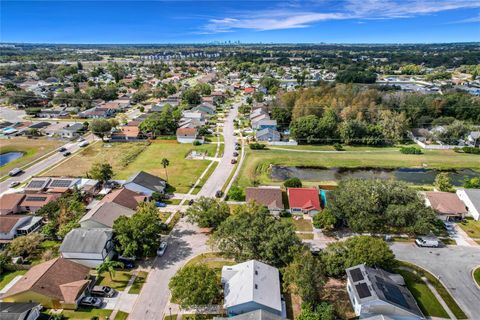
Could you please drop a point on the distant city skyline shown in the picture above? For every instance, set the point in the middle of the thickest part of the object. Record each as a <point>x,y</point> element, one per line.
<point>184,21</point>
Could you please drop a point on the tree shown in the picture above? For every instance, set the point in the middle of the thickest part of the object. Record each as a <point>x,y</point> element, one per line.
<point>374,252</point>
<point>194,285</point>
<point>191,96</point>
<point>304,276</point>
<point>323,311</point>
<point>161,123</point>
<point>25,246</point>
<point>252,233</point>
<point>138,235</point>
<point>293,183</point>
<point>102,172</point>
<point>472,183</point>
<point>324,219</point>
<point>109,266</point>
<point>236,193</point>
<point>443,182</point>
<point>270,83</point>
<point>100,127</point>
<point>208,212</point>
<point>165,164</point>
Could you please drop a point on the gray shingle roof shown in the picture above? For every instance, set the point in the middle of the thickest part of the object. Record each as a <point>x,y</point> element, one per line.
<point>86,240</point>
<point>148,181</point>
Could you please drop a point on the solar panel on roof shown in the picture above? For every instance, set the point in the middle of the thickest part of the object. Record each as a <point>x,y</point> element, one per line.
<point>362,290</point>
<point>356,274</point>
<point>36,184</point>
<point>36,199</point>
<point>60,183</point>
<point>393,294</point>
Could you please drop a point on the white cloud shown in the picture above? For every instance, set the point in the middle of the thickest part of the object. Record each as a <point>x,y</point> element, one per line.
<point>293,17</point>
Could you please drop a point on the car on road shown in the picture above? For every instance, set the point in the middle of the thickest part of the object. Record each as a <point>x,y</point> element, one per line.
<point>160,204</point>
<point>103,291</point>
<point>233,161</point>
<point>66,153</point>
<point>427,242</point>
<point>13,184</point>
<point>162,248</point>
<point>219,194</point>
<point>190,202</point>
<point>91,302</point>
<point>15,172</point>
<point>62,149</point>
<point>235,154</point>
<point>83,144</point>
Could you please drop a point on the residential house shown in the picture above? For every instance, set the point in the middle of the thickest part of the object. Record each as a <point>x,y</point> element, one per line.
<point>249,90</point>
<point>190,123</point>
<point>250,286</point>
<point>145,183</point>
<point>267,134</point>
<point>89,247</point>
<point>52,113</point>
<point>104,214</point>
<point>19,310</point>
<point>471,199</point>
<point>376,292</point>
<point>56,284</point>
<point>447,205</point>
<point>257,112</point>
<point>270,197</point>
<point>14,225</point>
<point>195,115</point>
<point>125,197</point>
<point>473,139</point>
<point>187,135</point>
<point>204,108</point>
<point>51,184</point>
<point>33,202</point>
<point>253,315</point>
<point>304,200</point>
<point>71,131</point>
<point>96,113</point>
<point>260,124</point>
<point>10,203</point>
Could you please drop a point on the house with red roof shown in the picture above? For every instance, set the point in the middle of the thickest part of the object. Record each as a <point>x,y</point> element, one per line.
<point>249,90</point>
<point>304,200</point>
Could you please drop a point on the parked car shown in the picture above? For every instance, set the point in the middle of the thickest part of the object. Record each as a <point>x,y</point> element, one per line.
<point>190,202</point>
<point>83,144</point>
<point>237,147</point>
<point>66,153</point>
<point>127,263</point>
<point>235,154</point>
<point>13,184</point>
<point>233,161</point>
<point>162,248</point>
<point>219,194</point>
<point>91,302</point>
<point>160,204</point>
<point>449,226</point>
<point>15,172</point>
<point>103,291</point>
<point>427,242</point>
<point>62,149</point>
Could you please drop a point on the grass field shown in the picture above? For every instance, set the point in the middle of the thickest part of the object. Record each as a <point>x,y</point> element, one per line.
<point>87,313</point>
<point>255,169</point>
<point>118,282</point>
<point>213,260</point>
<point>121,315</point>
<point>138,283</point>
<point>476,276</point>
<point>8,276</point>
<point>32,149</point>
<point>471,227</point>
<point>129,158</point>
<point>426,300</point>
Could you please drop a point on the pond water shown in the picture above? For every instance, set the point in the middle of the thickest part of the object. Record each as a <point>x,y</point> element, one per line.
<point>9,157</point>
<point>410,175</point>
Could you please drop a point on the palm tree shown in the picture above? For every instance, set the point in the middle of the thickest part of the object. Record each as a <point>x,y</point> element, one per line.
<point>165,164</point>
<point>109,266</point>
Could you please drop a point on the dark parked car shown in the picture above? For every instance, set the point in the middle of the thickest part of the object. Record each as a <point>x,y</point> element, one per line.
<point>61,149</point>
<point>127,263</point>
<point>219,194</point>
<point>91,302</point>
<point>237,147</point>
<point>233,161</point>
<point>235,154</point>
<point>191,202</point>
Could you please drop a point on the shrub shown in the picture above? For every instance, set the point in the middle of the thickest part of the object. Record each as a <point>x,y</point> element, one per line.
<point>338,147</point>
<point>410,150</point>
<point>257,146</point>
<point>324,219</point>
<point>472,150</point>
<point>293,183</point>
<point>236,193</point>
<point>197,143</point>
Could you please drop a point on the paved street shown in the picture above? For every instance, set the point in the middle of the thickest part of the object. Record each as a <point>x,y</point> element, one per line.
<point>184,243</point>
<point>453,265</point>
<point>42,165</point>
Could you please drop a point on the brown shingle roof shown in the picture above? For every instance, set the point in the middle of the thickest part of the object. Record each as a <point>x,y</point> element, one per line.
<point>125,197</point>
<point>8,222</point>
<point>58,279</point>
<point>268,196</point>
<point>11,200</point>
<point>446,202</point>
<point>38,199</point>
<point>186,132</point>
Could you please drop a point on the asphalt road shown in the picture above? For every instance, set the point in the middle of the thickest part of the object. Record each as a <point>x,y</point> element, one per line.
<point>454,265</point>
<point>225,167</point>
<point>42,165</point>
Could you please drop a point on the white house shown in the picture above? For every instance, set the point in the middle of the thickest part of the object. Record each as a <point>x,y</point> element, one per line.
<point>375,292</point>
<point>12,225</point>
<point>186,135</point>
<point>89,247</point>
<point>471,198</point>
<point>145,183</point>
<point>251,286</point>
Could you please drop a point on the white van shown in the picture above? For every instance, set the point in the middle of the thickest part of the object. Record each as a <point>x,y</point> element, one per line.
<point>428,242</point>
<point>83,144</point>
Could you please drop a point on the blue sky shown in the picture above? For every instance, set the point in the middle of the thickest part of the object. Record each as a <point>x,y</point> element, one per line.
<point>248,21</point>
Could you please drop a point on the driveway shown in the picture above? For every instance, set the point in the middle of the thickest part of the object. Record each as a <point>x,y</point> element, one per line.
<point>453,264</point>
<point>184,243</point>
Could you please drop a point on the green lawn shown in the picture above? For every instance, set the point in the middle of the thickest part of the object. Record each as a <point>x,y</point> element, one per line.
<point>300,223</point>
<point>213,260</point>
<point>8,276</point>
<point>87,313</point>
<point>33,149</point>
<point>138,283</point>
<point>305,236</point>
<point>471,227</point>
<point>476,276</point>
<point>255,169</point>
<point>426,300</point>
<point>121,315</point>
<point>202,181</point>
<point>119,281</point>
<point>129,158</point>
